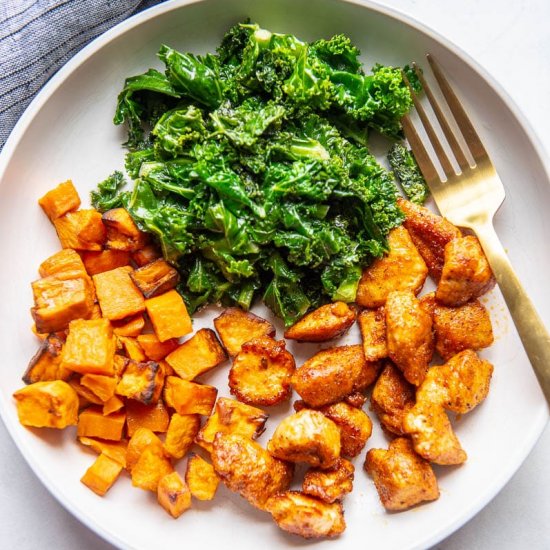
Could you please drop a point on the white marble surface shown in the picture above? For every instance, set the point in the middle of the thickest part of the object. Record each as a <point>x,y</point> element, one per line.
<point>510,39</point>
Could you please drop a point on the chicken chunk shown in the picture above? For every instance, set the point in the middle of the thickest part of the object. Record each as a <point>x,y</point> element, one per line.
<point>248,469</point>
<point>307,436</point>
<point>432,434</point>
<point>409,333</point>
<point>392,397</point>
<point>330,375</point>
<point>330,485</point>
<point>402,478</point>
<point>372,323</point>
<point>325,323</point>
<point>429,233</point>
<point>261,372</point>
<point>401,269</point>
<point>466,273</point>
<point>460,328</point>
<point>306,516</point>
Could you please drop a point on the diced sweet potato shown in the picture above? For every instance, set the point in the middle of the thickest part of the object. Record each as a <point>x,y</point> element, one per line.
<point>132,348</point>
<point>146,255</point>
<point>86,395</point>
<point>116,450</point>
<point>119,363</point>
<point>60,200</point>
<point>46,362</point>
<point>231,416</point>
<point>188,397</point>
<point>101,475</point>
<point>402,478</point>
<point>104,260</point>
<point>122,232</point>
<point>201,478</point>
<point>155,278</point>
<point>306,516</point>
<point>330,485</point>
<point>151,467</point>
<point>372,323</point>
<point>60,262</point>
<point>130,327</point>
<point>235,327</point>
<point>154,348</point>
<point>197,355</point>
<point>52,404</point>
<point>154,417</point>
<point>173,494</point>
<point>81,230</point>
<point>401,269</point>
<point>142,439</point>
<point>118,296</point>
<point>261,372</point>
<point>92,423</point>
<point>112,405</point>
<point>102,386</point>
<point>325,323</point>
<point>169,316</point>
<point>90,347</point>
<point>61,298</point>
<point>142,382</point>
<point>181,434</point>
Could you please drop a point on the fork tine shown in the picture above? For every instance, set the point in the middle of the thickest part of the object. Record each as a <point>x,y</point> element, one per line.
<point>470,135</point>
<point>449,134</point>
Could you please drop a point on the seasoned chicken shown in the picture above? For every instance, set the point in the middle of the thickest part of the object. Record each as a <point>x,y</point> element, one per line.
<point>356,399</point>
<point>392,397</point>
<point>402,478</point>
<point>409,334</point>
<point>372,323</point>
<point>325,323</point>
<point>248,469</point>
<point>430,233</point>
<point>466,273</point>
<point>261,372</point>
<point>401,269</point>
<point>306,436</point>
<point>330,485</point>
<point>306,516</point>
<point>462,327</point>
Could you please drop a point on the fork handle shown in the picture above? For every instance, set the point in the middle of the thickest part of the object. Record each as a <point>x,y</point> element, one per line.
<point>531,329</point>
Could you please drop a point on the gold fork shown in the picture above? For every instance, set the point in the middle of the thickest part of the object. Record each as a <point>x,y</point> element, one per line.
<point>470,199</point>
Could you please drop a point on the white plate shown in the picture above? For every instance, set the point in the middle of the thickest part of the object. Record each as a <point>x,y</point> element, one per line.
<point>67,133</point>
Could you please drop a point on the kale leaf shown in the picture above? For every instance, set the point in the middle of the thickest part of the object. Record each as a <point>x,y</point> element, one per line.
<point>408,173</point>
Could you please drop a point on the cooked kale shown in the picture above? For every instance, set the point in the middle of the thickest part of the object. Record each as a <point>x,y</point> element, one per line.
<point>109,193</point>
<point>408,173</point>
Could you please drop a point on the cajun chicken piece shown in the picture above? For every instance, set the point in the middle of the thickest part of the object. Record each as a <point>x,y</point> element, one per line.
<point>306,436</point>
<point>248,469</point>
<point>409,334</point>
<point>402,478</point>
<point>459,328</point>
<point>429,233</point>
<point>402,268</point>
<point>372,323</point>
<point>306,516</point>
<point>466,273</point>
<point>330,485</point>
<point>392,397</point>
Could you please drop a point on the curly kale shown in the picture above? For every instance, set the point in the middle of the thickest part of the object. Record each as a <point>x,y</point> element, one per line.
<point>408,173</point>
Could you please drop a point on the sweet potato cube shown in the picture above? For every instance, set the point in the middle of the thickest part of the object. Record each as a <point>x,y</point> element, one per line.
<point>122,232</point>
<point>199,354</point>
<point>142,439</point>
<point>151,467</point>
<point>181,434</point>
<point>117,294</point>
<point>201,478</point>
<point>142,382</point>
<point>112,405</point>
<point>46,362</point>
<point>60,200</point>
<point>146,255</point>
<point>131,326</point>
<point>61,298</point>
<point>104,260</point>
<point>132,348</point>
<point>92,423</point>
<point>372,323</point>
<point>62,261</point>
<point>81,230</point>
<point>90,347</point>
<point>86,395</point>
<point>115,450</point>
<point>154,348</point>
<point>169,316</point>
<point>155,278</point>
<point>231,416</point>
<point>119,364</point>
<point>173,494</point>
<point>102,386</point>
<point>188,397</point>
<point>52,404</point>
<point>101,475</point>
<point>235,327</point>
<point>154,417</point>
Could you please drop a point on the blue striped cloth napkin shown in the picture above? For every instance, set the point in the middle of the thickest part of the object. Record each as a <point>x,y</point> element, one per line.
<point>37,37</point>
